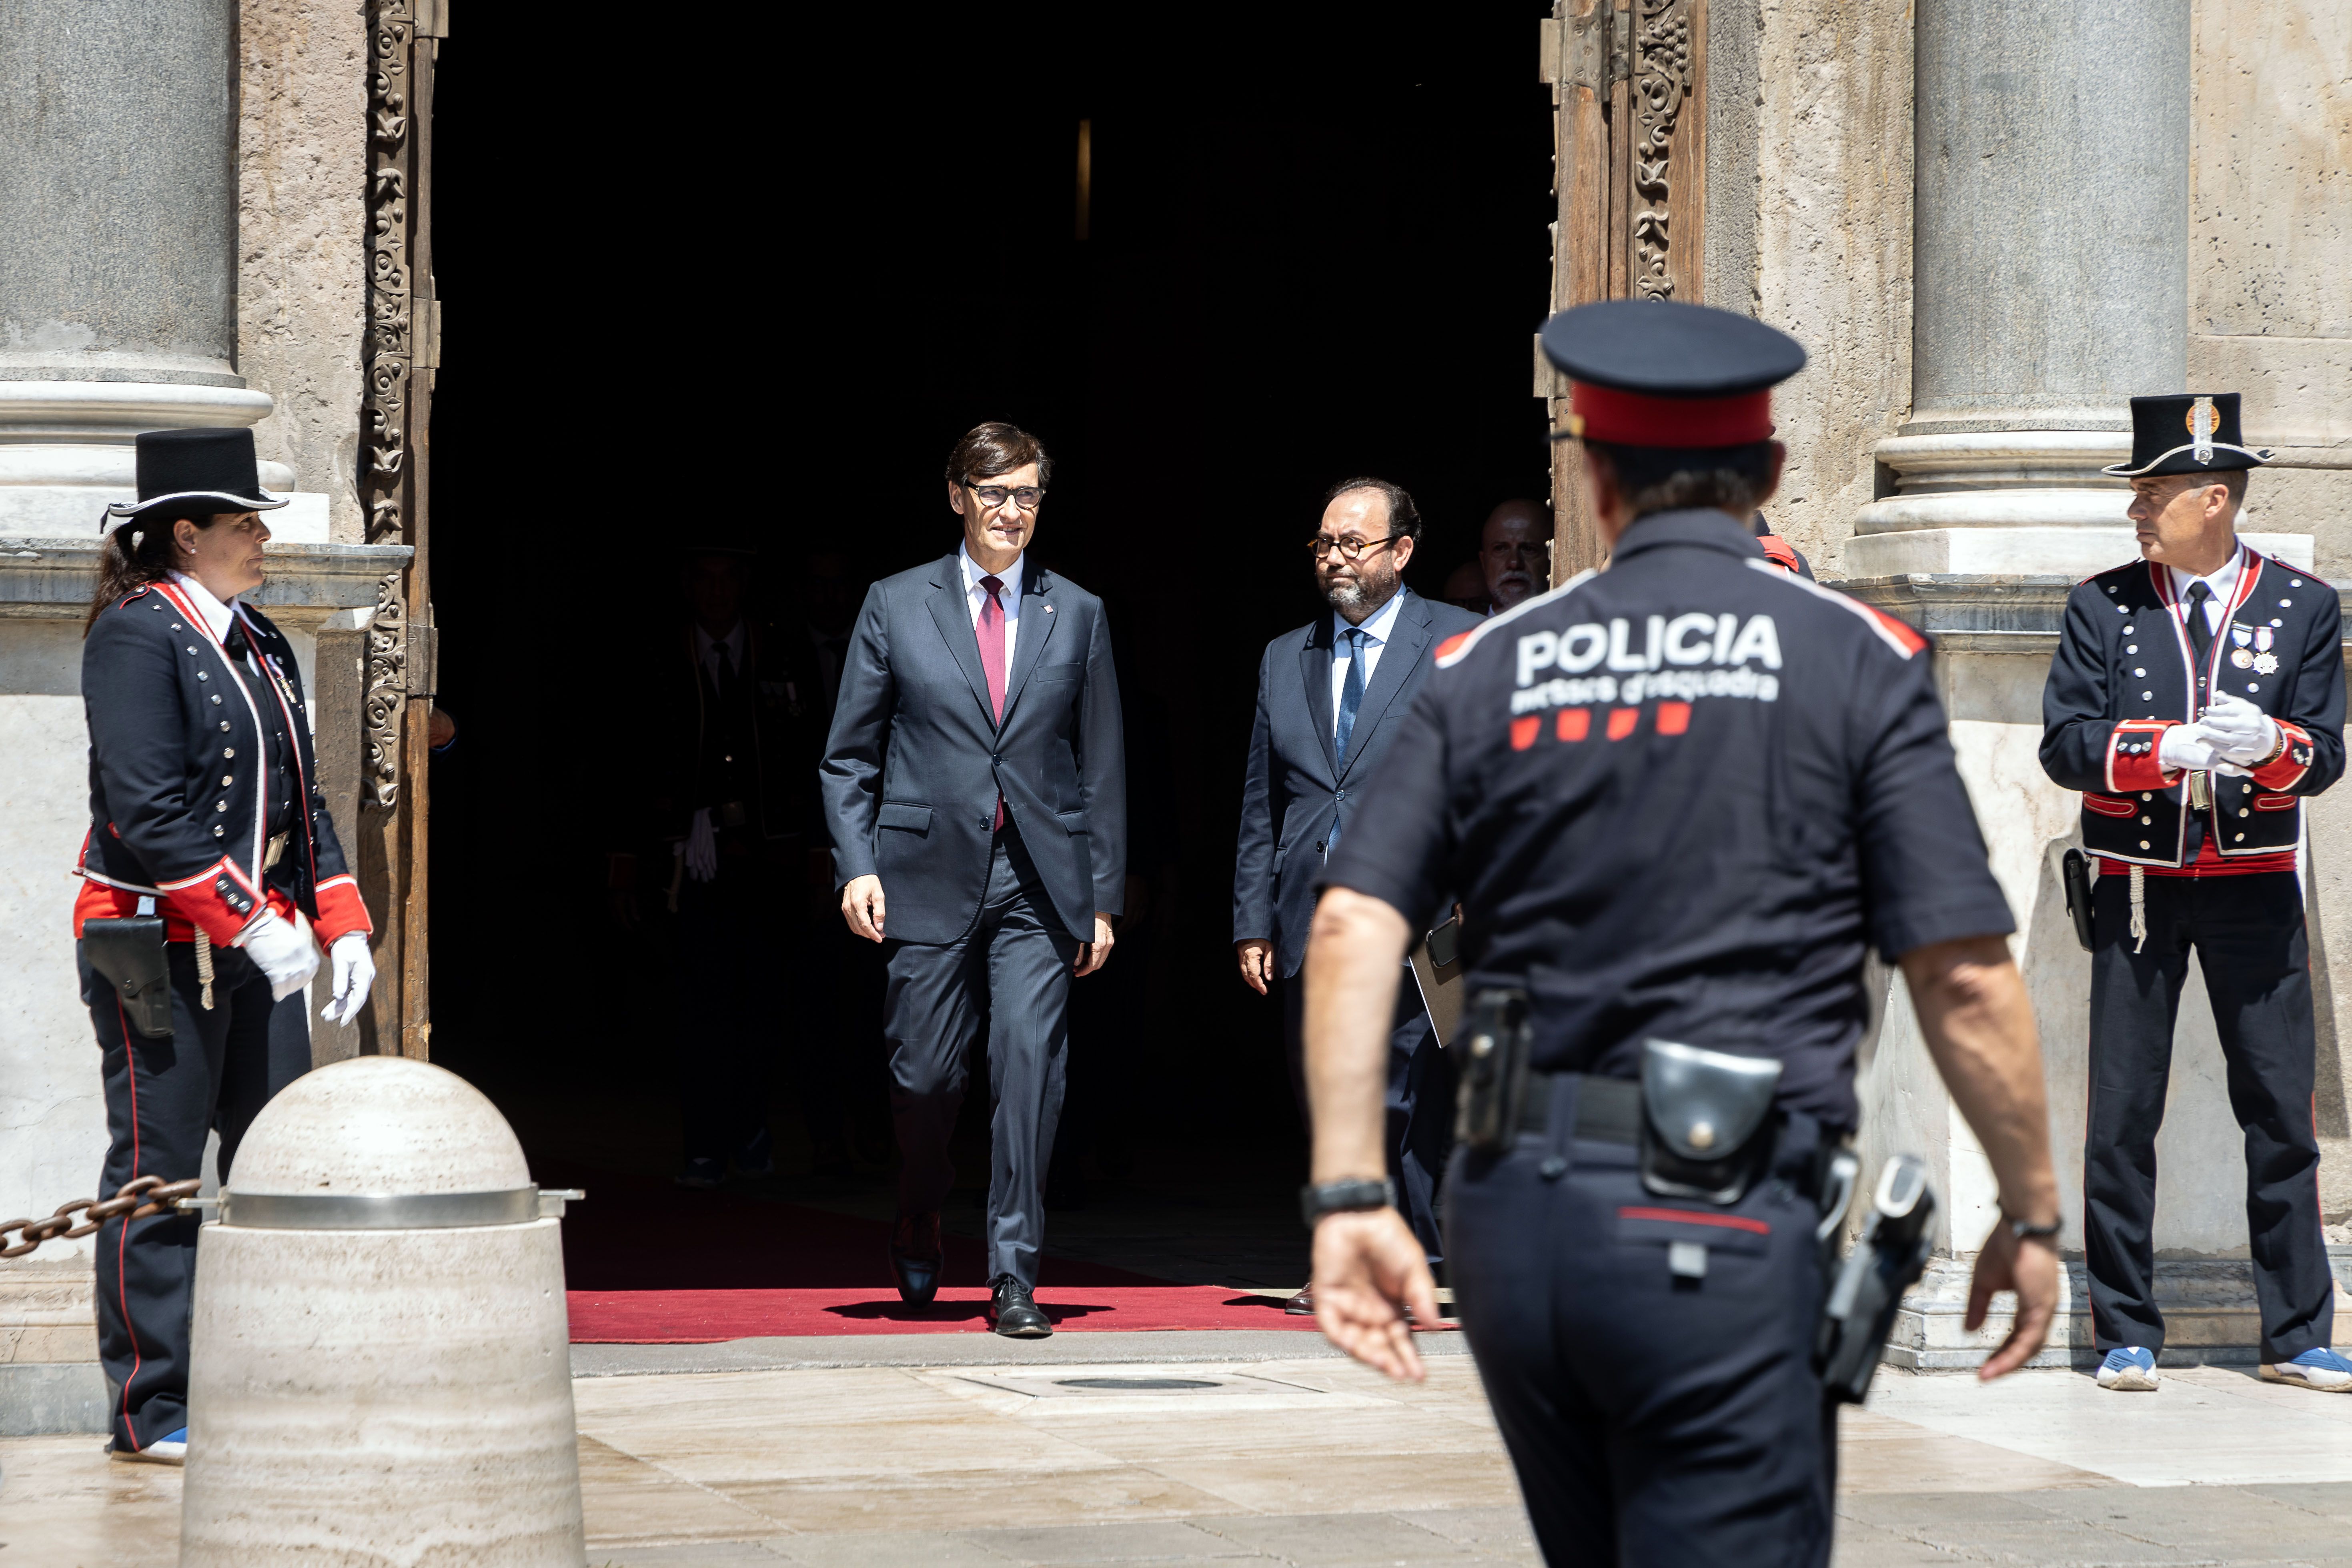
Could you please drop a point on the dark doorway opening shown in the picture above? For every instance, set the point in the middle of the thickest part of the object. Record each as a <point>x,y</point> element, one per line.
<point>768,274</point>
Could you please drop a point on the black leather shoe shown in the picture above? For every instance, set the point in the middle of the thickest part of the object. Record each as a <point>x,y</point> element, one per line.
<point>1012,1313</point>
<point>917,1259</point>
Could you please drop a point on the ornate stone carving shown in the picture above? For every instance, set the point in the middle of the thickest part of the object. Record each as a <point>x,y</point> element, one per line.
<point>390,345</point>
<point>1661,79</point>
<point>387,692</point>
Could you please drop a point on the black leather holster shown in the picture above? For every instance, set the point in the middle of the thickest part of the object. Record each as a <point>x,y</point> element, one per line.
<point>1708,1123</point>
<point>128,952</point>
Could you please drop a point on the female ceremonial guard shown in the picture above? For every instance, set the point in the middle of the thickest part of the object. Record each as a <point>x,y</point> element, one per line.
<point>209,864</point>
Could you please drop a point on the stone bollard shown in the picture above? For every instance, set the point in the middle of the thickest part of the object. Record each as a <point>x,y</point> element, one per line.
<point>380,1373</point>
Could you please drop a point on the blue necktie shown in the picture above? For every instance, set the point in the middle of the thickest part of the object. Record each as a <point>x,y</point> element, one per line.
<point>1351,692</point>
<point>1351,696</point>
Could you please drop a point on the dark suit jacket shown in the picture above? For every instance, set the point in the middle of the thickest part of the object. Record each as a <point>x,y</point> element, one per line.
<point>1294,785</point>
<point>916,761</point>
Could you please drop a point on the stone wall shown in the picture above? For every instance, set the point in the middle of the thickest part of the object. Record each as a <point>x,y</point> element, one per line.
<point>302,240</point>
<point>1833,187</point>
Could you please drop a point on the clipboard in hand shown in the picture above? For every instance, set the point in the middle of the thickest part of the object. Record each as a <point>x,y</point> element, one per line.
<point>1437,969</point>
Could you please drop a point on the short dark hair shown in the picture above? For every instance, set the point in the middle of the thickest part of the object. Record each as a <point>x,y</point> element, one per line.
<point>1673,479</point>
<point>2234,481</point>
<point>993,448</point>
<point>1404,518</point>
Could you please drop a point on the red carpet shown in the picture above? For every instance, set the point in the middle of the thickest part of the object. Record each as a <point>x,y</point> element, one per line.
<point>650,1263</point>
<point>705,1317</point>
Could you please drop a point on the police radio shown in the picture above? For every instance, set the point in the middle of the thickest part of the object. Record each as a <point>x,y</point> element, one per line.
<point>1886,1261</point>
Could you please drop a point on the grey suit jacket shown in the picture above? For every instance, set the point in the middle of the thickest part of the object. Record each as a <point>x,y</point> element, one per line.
<point>1296,786</point>
<point>916,760</point>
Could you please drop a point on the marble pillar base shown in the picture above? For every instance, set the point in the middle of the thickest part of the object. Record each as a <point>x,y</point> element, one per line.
<point>66,451</point>
<point>2209,1316</point>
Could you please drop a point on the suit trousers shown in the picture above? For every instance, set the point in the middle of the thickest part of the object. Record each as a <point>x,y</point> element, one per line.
<point>2248,936</point>
<point>1419,1102</point>
<point>734,932</point>
<point>1652,1419</point>
<point>215,1073</point>
<point>1012,968</point>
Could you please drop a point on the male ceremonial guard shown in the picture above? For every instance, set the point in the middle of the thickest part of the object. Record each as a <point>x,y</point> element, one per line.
<point>2196,698</point>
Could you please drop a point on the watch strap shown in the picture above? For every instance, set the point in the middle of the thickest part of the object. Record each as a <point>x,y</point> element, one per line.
<point>1356,1193</point>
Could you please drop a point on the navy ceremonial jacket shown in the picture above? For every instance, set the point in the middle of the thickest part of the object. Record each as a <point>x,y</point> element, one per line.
<point>917,760</point>
<point>177,759</point>
<point>2124,674</point>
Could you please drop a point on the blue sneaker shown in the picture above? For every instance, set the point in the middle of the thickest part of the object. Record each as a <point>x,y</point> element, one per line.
<point>2321,1369</point>
<point>171,1450</point>
<point>2132,1369</point>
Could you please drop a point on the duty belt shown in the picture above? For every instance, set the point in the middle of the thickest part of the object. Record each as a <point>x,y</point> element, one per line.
<point>1608,1109</point>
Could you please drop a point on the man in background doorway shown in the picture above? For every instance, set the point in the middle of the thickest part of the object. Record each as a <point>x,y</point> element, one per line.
<point>1515,554</point>
<point>730,801</point>
<point>1330,695</point>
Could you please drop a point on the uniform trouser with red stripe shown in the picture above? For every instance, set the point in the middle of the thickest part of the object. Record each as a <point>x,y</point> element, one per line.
<point>2248,936</point>
<point>217,1071</point>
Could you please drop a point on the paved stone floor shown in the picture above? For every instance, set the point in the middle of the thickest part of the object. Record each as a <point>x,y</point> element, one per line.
<point>964,1450</point>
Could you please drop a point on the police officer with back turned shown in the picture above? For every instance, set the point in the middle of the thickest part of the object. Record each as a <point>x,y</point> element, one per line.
<point>1678,800</point>
<point>2196,698</point>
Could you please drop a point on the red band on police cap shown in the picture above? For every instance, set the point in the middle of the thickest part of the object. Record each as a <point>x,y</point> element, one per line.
<point>1633,419</point>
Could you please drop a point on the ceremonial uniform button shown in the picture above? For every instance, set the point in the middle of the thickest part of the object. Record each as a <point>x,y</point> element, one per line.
<point>2254,686</point>
<point>228,751</point>
<point>2148,821</point>
<point>203,675</point>
<point>2142,843</point>
<point>2148,697</point>
<point>2295,581</point>
<point>218,831</point>
<point>216,703</point>
<point>2138,671</point>
<point>2134,648</point>
<point>2242,811</point>
<point>2287,604</point>
<point>220,806</point>
<point>191,648</point>
<point>2241,838</point>
<point>227,779</point>
<point>223,722</point>
<point>2129,631</point>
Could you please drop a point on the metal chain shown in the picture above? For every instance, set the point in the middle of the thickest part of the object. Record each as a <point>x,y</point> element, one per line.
<point>138,1197</point>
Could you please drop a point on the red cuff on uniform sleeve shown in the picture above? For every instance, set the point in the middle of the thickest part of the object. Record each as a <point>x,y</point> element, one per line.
<point>2132,753</point>
<point>342,911</point>
<point>2292,764</point>
<point>216,900</point>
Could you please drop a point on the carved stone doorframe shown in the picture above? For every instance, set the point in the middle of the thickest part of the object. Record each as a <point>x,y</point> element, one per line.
<point>1629,160</point>
<point>403,347</point>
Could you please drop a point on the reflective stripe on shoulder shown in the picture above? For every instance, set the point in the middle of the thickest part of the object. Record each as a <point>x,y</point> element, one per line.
<point>1452,651</point>
<point>1895,634</point>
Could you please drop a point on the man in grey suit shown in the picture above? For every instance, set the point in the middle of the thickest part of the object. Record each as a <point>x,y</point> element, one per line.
<point>975,772</point>
<point>1331,696</point>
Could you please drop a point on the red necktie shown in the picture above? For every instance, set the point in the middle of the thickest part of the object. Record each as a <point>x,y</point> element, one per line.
<point>992,660</point>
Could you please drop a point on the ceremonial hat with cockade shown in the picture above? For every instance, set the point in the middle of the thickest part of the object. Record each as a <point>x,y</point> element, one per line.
<point>205,470</point>
<point>2190,433</point>
<point>1657,373</point>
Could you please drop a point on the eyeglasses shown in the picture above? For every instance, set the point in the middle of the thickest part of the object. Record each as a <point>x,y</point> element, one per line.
<point>1349,549</point>
<point>995,496</point>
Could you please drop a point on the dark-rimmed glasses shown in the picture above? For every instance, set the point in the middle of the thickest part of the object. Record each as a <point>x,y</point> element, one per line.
<point>1350,548</point>
<point>995,496</point>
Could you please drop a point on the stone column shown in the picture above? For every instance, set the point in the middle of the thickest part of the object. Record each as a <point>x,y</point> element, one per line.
<point>117,260</point>
<point>2051,190</point>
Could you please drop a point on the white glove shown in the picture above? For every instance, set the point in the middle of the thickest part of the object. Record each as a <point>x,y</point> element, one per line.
<point>2184,749</point>
<point>354,977</point>
<point>2238,730</point>
<point>702,848</point>
<point>283,951</point>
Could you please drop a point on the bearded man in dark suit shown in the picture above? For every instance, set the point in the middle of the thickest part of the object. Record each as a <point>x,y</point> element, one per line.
<point>1330,695</point>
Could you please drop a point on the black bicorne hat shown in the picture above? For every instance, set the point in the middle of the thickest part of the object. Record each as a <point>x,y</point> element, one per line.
<point>213,470</point>
<point>2192,433</point>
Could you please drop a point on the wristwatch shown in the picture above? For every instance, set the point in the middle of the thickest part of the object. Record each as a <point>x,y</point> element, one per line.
<point>1318,1198</point>
<point>2023,1231</point>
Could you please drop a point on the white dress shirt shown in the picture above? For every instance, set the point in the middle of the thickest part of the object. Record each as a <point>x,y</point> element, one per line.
<point>974,597</point>
<point>1376,628</point>
<point>217,615</point>
<point>2223,580</point>
<point>709,650</point>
